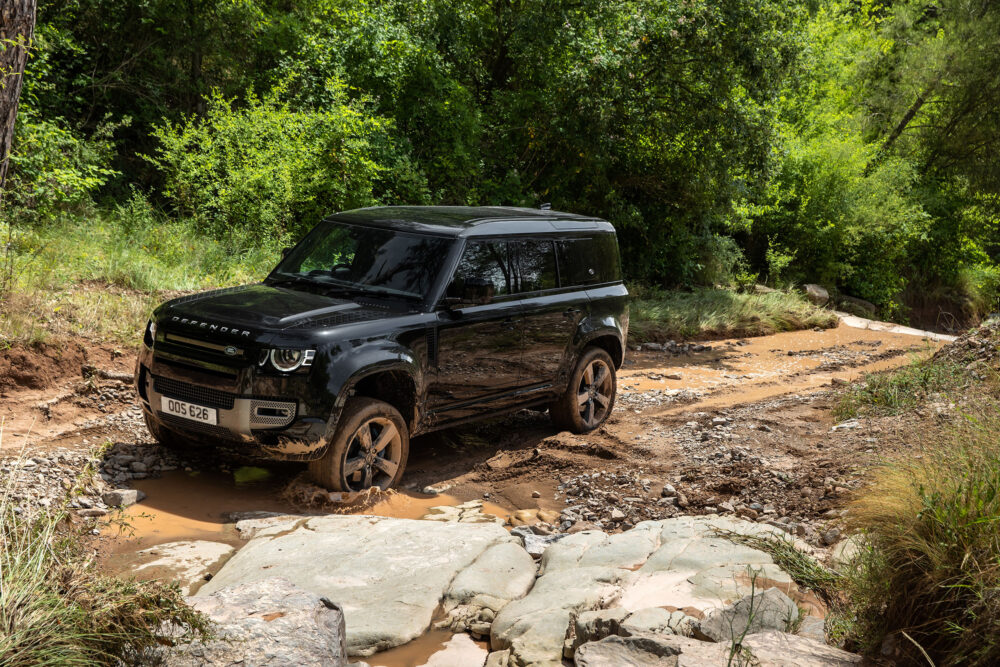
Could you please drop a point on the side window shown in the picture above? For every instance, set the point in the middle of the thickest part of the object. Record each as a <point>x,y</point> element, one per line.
<point>537,261</point>
<point>589,261</point>
<point>484,272</point>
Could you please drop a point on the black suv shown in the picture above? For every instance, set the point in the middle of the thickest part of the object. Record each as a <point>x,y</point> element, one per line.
<point>383,323</point>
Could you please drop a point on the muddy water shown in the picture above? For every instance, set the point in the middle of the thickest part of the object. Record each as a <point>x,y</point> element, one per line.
<point>419,652</point>
<point>770,366</point>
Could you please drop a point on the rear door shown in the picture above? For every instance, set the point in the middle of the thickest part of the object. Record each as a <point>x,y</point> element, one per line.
<point>480,342</point>
<point>552,313</point>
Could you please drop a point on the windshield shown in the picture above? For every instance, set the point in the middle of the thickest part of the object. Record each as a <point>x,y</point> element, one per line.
<point>379,261</point>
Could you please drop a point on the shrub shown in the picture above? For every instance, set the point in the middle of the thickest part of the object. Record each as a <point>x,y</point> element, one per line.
<point>931,567</point>
<point>265,171</point>
<point>893,392</point>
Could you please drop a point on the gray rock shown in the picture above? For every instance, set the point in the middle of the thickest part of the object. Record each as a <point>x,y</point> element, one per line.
<point>652,347</point>
<point>138,466</point>
<point>813,628</point>
<point>536,544</point>
<point>503,572</point>
<point>831,536</point>
<point>268,622</point>
<point>186,563</point>
<point>657,621</point>
<point>595,625</point>
<point>121,497</point>
<point>770,610</point>
<point>498,659</point>
<point>668,491</point>
<point>780,649</point>
<point>816,293</point>
<point>389,574</point>
<point>636,651</point>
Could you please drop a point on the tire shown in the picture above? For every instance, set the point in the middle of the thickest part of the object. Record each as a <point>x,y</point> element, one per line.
<point>590,396</point>
<point>349,464</point>
<point>163,435</point>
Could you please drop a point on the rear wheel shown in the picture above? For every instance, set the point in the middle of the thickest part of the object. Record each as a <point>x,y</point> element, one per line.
<point>590,395</point>
<point>369,448</point>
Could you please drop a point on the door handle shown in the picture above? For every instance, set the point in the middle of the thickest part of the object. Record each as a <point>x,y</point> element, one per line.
<point>571,312</point>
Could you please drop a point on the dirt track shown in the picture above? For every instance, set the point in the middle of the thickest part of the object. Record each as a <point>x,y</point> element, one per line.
<point>745,425</point>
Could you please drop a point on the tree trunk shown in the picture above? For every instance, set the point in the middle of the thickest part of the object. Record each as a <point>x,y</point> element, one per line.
<point>17,24</point>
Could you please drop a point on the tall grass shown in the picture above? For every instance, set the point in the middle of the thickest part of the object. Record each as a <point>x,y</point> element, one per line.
<point>710,313</point>
<point>930,571</point>
<point>893,392</point>
<point>56,610</point>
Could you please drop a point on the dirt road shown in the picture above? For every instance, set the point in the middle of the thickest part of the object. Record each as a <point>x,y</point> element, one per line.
<point>742,425</point>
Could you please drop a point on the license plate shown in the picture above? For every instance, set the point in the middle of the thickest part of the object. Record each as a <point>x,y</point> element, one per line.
<point>197,413</point>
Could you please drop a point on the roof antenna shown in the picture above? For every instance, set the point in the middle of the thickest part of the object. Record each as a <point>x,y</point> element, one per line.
<point>546,206</point>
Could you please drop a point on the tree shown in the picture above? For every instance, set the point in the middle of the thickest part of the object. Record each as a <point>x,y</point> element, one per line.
<point>16,29</point>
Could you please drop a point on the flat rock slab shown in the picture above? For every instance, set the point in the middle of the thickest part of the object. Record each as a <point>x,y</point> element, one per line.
<point>269,622</point>
<point>679,563</point>
<point>390,575</point>
<point>187,563</point>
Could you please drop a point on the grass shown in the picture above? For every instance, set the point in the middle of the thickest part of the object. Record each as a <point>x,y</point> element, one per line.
<point>658,316</point>
<point>930,573</point>
<point>55,609</point>
<point>100,276</point>
<point>899,390</point>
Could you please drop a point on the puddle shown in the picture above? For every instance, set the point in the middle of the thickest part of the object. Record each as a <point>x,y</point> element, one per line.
<point>195,506</point>
<point>436,648</point>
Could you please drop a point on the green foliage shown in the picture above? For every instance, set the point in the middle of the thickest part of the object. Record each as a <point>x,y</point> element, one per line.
<point>930,567</point>
<point>264,172</point>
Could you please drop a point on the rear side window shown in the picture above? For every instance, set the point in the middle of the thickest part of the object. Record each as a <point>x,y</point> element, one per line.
<point>486,267</point>
<point>589,261</point>
<point>537,260</point>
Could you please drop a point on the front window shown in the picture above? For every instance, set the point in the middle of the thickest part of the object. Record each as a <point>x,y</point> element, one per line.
<point>378,261</point>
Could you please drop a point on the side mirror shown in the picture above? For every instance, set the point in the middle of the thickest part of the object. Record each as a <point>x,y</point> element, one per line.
<point>285,251</point>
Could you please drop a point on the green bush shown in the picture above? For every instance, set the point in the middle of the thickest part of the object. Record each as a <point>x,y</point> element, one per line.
<point>264,172</point>
<point>54,168</point>
<point>895,391</point>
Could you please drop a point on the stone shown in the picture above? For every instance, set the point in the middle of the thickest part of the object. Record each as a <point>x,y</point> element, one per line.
<point>268,622</point>
<point>780,649</point>
<point>816,293</point>
<point>657,621</point>
<point>534,543</point>
<point>121,497</point>
<point>770,610</point>
<point>856,306</point>
<point>636,651</point>
<point>498,659</point>
<point>813,628</point>
<point>503,572</point>
<point>617,514</point>
<point>652,347</point>
<point>831,536</point>
<point>459,650</point>
<point>845,551</point>
<point>597,624</point>
<point>187,563</point>
<point>89,513</point>
<point>138,466</point>
<point>389,574</point>
<point>536,494</point>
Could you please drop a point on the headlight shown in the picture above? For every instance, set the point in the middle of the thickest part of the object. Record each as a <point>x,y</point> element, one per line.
<point>290,360</point>
<point>150,333</point>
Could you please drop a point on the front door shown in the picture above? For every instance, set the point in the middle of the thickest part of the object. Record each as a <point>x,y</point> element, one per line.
<point>479,339</point>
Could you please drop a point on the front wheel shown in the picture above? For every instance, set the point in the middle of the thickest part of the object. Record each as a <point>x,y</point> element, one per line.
<point>369,448</point>
<point>590,395</point>
<point>163,435</point>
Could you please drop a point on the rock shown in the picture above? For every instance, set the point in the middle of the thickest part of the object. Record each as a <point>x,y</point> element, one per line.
<point>536,494</point>
<point>502,573</point>
<point>597,624</point>
<point>763,289</point>
<point>769,649</point>
<point>389,574</point>
<point>636,651</point>
<point>267,622</point>
<point>668,491</point>
<point>617,514</point>
<point>856,306</point>
<point>770,610</point>
<point>89,513</point>
<point>845,551</point>
<point>138,466</point>
<point>498,659</point>
<point>657,621</point>
<point>831,536</point>
<point>652,347</point>
<point>187,563</point>
<point>816,293</point>
<point>813,628</point>
<point>533,543</point>
<point>673,376</point>
<point>121,497</point>
<point>459,650</point>
<point>248,523</point>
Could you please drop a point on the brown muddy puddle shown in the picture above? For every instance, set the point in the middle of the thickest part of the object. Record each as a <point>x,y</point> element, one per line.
<point>770,366</point>
<point>436,648</point>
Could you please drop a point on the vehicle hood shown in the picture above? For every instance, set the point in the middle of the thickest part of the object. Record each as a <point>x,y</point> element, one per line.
<point>263,307</point>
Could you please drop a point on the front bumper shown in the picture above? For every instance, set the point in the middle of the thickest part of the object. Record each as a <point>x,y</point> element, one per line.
<point>266,426</point>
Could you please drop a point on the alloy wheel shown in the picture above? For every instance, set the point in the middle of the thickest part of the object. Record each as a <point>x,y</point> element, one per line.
<point>594,394</point>
<point>373,455</point>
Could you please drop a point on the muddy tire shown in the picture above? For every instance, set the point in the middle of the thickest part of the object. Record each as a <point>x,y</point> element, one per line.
<point>590,394</point>
<point>369,448</point>
<point>164,435</point>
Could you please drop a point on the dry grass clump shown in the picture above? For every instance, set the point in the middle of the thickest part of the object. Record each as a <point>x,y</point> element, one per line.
<point>930,571</point>
<point>714,313</point>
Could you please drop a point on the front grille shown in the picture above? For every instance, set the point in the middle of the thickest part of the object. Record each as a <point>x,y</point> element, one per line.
<point>182,424</point>
<point>182,391</point>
